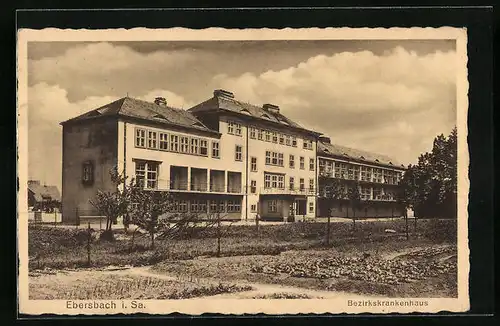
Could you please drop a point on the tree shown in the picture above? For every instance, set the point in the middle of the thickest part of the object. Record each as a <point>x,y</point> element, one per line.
<point>434,179</point>
<point>146,206</point>
<point>406,194</point>
<point>113,203</point>
<point>333,191</point>
<point>354,197</point>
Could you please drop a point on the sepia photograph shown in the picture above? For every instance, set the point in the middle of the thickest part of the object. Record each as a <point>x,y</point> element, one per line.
<point>242,171</point>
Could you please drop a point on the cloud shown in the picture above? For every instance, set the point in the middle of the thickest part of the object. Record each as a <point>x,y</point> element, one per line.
<point>48,105</point>
<point>100,69</point>
<point>394,104</point>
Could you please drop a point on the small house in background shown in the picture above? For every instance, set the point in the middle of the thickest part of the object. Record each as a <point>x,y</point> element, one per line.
<point>42,197</point>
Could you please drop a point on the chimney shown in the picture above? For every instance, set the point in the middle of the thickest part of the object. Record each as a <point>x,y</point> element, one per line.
<point>223,93</point>
<point>271,108</point>
<point>325,139</point>
<point>161,101</point>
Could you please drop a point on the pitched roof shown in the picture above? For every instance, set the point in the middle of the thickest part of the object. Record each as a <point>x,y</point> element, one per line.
<point>135,108</point>
<point>41,192</point>
<point>229,104</point>
<point>356,154</point>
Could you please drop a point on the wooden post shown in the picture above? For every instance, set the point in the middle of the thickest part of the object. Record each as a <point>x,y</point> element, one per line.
<point>55,218</point>
<point>77,217</point>
<point>406,222</point>
<point>328,228</point>
<point>218,234</point>
<point>88,245</point>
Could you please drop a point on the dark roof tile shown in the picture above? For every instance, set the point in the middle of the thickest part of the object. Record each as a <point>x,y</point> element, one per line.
<point>135,108</point>
<point>356,154</point>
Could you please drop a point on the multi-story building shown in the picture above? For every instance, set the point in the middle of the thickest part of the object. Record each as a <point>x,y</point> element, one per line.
<point>376,176</point>
<point>222,154</point>
<point>277,155</point>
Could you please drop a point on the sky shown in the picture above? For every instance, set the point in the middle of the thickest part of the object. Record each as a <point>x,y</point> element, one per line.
<point>389,97</point>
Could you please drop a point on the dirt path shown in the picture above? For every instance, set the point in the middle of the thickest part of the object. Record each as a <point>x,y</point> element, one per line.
<point>260,290</point>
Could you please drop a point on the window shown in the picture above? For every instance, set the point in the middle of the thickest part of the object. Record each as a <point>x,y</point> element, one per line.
<point>253,132</point>
<point>194,206</point>
<point>308,144</point>
<point>276,181</point>
<point>311,184</point>
<point>377,175</point>
<point>174,143</point>
<point>183,206</point>
<point>164,141</point>
<point>311,164</point>
<point>301,184</point>
<point>280,159</point>
<point>365,193</point>
<point>294,141</point>
<point>260,133</point>
<point>389,177</point>
<point>353,172</point>
<point>140,173</point>
<point>302,163</point>
<point>311,207</point>
<point>288,140</point>
<point>213,206</point>
<point>140,138</point>
<point>281,139</point>
<point>281,181</point>
<point>152,139</point>
<point>275,137</point>
<point>203,147</point>
<point>253,164</point>
<point>238,153</point>
<point>341,171</point>
<point>377,193</point>
<point>195,149</point>
<point>253,186</point>
<point>184,145</point>
<point>253,208</point>
<point>152,175</point>
<point>268,157</point>
<point>274,158</point>
<point>267,181</point>
<point>146,174</point>
<point>291,183</point>
<point>88,173</point>
<point>203,206</point>
<point>233,206</point>
<point>267,135</point>
<point>215,149</point>
<point>217,206</point>
<point>366,173</point>
<point>234,128</point>
<point>272,206</point>
<point>292,162</point>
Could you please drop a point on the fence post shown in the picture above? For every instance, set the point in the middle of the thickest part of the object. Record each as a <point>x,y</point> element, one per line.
<point>77,217</point>
<point>88,245</point>
<point>55,218</point>
<point>100,223</point>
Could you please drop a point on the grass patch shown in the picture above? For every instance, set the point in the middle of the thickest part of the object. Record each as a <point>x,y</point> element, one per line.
<point>61,248</point>
<point>112,287</point>
<point>284,295</point>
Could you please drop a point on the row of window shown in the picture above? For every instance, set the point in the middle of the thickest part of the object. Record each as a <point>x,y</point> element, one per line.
<point>277,181</point>
<point>366,193</point>
<point>272,206</point>
<point>202,206</point>
<point>235,128</point>
<point>175,143</point>
<point>356,172</point>
<point>275,158</point>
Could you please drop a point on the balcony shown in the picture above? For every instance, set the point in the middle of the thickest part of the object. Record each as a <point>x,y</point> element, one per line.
<point>288,191</point>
